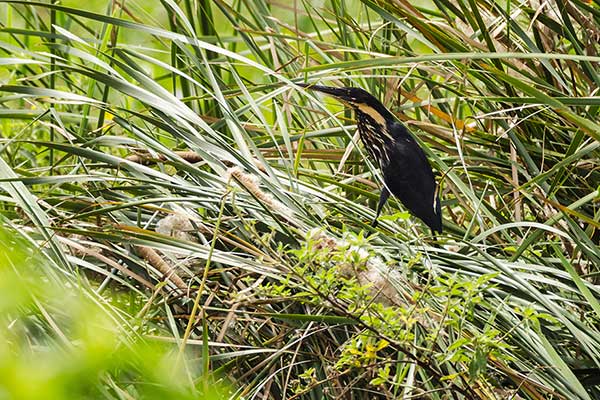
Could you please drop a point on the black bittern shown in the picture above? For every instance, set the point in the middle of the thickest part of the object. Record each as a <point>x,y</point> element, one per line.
<point>406,171</point>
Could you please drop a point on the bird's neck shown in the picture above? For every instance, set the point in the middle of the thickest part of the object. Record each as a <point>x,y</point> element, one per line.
<point>376,111</point>
<point>375,134</point>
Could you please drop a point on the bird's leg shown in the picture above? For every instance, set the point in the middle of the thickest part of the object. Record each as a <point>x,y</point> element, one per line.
<point>385,194</point>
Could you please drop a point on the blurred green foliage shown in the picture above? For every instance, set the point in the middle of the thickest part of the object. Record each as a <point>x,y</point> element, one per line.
<point>59,341</point>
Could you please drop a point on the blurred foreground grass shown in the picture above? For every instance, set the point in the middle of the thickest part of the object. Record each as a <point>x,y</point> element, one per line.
<point>60,341</point>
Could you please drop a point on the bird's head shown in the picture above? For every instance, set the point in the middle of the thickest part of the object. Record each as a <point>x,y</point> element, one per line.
<point>349,95</point>
<point>359,99</point>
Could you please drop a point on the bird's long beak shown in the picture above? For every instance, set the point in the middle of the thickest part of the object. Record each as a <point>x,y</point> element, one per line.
<point>338,93</point>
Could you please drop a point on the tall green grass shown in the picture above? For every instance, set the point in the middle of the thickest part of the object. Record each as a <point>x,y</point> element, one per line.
<point>185,118</point>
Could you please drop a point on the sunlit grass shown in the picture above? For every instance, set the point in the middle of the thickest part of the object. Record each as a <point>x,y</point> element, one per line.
<point>146,157</point>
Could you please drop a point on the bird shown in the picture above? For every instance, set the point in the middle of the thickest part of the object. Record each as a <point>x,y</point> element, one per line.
<point>406,171</point>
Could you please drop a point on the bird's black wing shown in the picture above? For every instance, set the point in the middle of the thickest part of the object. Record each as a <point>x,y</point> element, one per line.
<point>409,177</point>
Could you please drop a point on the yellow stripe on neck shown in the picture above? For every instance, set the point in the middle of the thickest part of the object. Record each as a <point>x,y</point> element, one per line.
<point>371,112</point>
